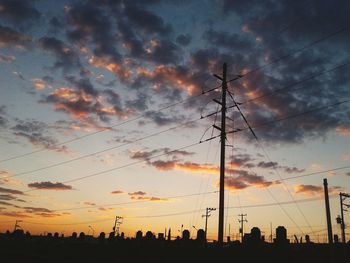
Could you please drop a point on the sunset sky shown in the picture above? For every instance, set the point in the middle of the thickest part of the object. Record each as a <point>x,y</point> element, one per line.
<point>102,114</point>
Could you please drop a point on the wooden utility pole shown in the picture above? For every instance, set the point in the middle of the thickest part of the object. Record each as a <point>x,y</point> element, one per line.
<point>207,214</point>
<point>343,196</point>
<point>242,220</point>
<point>328,212</point>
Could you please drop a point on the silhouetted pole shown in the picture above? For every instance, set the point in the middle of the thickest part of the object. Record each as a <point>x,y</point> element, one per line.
<point>328,212</point>
<point>207,214</point>
<point>342,225</point>
<point>222,158</point>
<point>242,220</point>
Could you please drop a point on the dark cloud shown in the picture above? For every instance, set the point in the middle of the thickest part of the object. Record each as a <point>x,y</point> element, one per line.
<point>7,59</point>
<point>10,191</point>
<point>19,12</point>
<point>233,42</point>
<point>241,179</point>
<point>50,186</point>
<point>116,192</point>
<point>66,57</point>
<point>89,203</point>
<point>3,117</point>
<point>11,38</point>
<point>37,133</point>
<point>183,39</point>
<point>138,193</point>
<point>91,23</point>
<point>146,21</point>
<point>15,214</point>
<point>161,119</point>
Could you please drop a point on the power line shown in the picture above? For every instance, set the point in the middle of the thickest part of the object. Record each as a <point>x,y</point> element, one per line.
<point>180,213</point>
<point>101,151</point>
<point>103,129</point>
<point>123,166</point>
<point>132,202</point>
<point>292,116</point>
<point>188,146</point>
<point>288,86</point>
<point>299,50</point>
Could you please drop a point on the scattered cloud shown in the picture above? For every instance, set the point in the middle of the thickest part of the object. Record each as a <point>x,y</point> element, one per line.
<point>10,191</point>
<point>313,190</point>
<point>117,192</point>
<point>343,130</point>
<point>12,38</point>
<point>7,59</point>
<point>50,186</point>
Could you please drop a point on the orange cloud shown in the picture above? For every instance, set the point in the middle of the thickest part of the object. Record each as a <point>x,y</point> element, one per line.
<point>171,76</point>
<point>113,67</point>
<point>313,190</point>
<point>39,84</point>
<point>343,130</point>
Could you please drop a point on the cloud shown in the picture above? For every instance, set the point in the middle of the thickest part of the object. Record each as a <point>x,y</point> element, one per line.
<point>146,21</point>
<point>183,39</point>
<point>10,191</point>
<point>39,84</point>
<point>343,130</point>
<point>116,192</point>
<point>15,214</point>
<point>89,203</point>
<point>138,193</point>
<point>3,117</point>
<point>66,57</point>
<point>7,59</point>
<point>50,186</point>
<point>37,133</point>
<point>275,165</point>
<point>11,38</point>
<point>20,13</point>
<point>81,105</point>
<point>316,190</point>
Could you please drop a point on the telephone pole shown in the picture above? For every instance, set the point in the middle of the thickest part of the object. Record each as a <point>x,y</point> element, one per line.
<point>343,196</point>
<point>118,221</point>
<point>328,211</point>
<point>242,220</point>
<point>207,214</point>
<point>223,133</point>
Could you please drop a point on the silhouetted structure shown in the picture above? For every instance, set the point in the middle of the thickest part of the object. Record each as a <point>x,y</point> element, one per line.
<point>281,236</point>
<point>185,235</point>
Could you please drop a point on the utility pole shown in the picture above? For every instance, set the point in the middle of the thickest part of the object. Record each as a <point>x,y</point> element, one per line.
<point>222,155</point>
<point>118,221</point>
<point>328,212</point>
<point>207,214</point>
<point>343,196</point>
<point>17,225</point>
<point>242,220</point>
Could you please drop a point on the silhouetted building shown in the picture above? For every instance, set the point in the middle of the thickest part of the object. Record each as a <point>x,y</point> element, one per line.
<point>82,236</point>
<point>200,235</point>
<point>254,237</point>
<point>160,236</point>
<point>74,235</point>
<point>185,235</point>
<point>149,235</point>
<point>281,235</point>
<point>139,235</point>
<point>101,237</point>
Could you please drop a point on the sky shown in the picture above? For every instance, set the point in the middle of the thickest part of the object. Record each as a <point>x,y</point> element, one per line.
<point>104,112</point>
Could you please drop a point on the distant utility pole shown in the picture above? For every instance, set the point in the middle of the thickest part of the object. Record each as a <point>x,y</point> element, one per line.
<point>17,225</point>
<point>117,223</point>
<point>343,196</point>
<point>207,214</point>
<point>328,212</point>
<point>242,220</point>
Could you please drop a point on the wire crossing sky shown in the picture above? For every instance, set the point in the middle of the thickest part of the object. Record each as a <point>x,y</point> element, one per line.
<point>106,109</point>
